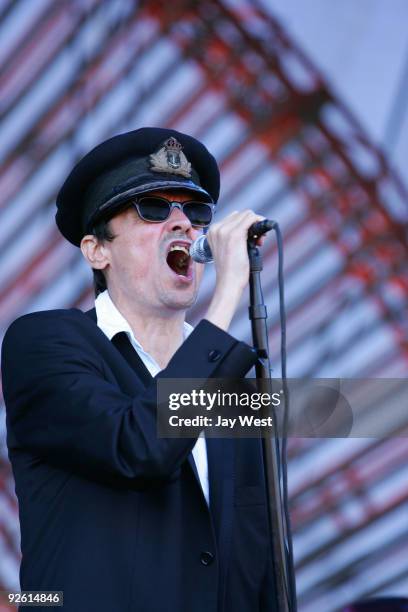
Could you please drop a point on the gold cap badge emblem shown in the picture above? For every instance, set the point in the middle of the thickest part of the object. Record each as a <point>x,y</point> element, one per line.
<point>171,159</point>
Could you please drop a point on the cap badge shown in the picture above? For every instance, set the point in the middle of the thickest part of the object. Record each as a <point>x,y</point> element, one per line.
<point>171,159</point>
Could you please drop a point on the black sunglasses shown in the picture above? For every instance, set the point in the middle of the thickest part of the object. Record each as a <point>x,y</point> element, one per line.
<point>156,209</point>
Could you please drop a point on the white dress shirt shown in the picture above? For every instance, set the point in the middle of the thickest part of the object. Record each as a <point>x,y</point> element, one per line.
<point>111,322</point>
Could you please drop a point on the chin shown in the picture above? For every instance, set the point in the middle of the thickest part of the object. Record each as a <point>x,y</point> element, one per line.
<point>180,302</point>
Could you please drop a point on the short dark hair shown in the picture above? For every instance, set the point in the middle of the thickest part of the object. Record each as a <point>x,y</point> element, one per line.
<point>102,232</point>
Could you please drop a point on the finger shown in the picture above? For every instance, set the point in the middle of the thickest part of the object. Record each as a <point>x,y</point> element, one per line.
<point>243,219</point>
<point>242,224</point>
<point>234,226</point>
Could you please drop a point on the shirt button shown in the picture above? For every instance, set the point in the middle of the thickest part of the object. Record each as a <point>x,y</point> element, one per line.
<point>206,558</point>
<point>214,355</point>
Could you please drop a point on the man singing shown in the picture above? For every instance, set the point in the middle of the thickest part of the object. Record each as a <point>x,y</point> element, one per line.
<point>117,518</point>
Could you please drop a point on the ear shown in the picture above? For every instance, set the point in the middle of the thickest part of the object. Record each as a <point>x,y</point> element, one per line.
<point>95,252</point>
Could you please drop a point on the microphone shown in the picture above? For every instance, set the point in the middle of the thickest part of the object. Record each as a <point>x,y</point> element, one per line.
<point>200,249</point>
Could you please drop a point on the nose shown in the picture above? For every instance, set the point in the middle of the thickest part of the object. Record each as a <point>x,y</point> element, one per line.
<point>178,221</point>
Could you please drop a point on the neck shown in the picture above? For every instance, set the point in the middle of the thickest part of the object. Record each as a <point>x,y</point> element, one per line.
<point>159,333</point>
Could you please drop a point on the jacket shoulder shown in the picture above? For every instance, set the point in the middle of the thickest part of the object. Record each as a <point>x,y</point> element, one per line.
<point>46,324</point>
<point>42,317</point>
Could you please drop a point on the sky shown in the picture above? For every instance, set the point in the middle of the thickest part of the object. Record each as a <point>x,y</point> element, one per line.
<point>361,47</point>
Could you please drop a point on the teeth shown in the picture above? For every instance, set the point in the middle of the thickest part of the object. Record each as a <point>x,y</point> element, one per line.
<point>178,247</point>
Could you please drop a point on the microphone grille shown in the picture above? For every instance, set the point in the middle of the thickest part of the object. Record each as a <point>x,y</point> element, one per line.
<point>200,251</point>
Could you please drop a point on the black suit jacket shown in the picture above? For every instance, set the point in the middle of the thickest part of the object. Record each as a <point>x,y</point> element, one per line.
<point>110,514</point>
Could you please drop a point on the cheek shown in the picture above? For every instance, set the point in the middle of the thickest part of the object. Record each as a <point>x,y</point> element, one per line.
<point>133,259</point>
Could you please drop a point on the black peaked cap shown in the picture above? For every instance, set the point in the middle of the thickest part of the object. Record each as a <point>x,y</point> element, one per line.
<point>119,168</point>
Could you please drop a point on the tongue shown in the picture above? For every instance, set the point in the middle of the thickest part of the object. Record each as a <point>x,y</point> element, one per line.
<point>178,262</point>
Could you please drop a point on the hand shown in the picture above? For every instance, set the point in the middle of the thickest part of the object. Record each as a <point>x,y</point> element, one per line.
<point>228,243</point>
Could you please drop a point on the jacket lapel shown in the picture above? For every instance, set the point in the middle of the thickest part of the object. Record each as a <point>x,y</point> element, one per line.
<point>91,314</point>
<point>124,346</point>
<point>220,454</point>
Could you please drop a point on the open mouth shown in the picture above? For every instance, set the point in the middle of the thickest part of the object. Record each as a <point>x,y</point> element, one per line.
<point>178,259</point>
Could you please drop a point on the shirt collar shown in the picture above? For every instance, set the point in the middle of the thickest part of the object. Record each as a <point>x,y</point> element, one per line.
<point>111,321</point>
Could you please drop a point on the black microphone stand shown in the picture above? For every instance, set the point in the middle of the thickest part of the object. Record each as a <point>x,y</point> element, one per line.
<point>286,598</point>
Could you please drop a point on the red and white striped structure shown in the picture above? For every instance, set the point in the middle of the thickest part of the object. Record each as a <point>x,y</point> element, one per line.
<point>75,72</point>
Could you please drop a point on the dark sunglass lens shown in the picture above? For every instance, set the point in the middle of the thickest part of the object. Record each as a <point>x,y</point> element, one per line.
<point>153,209</point>
<point>198,213</point>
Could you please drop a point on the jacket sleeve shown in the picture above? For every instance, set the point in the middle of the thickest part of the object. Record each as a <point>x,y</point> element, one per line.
<point>63,408</point>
